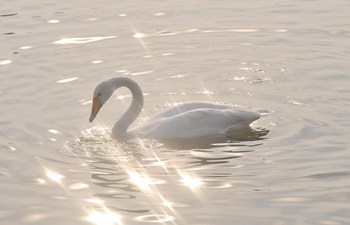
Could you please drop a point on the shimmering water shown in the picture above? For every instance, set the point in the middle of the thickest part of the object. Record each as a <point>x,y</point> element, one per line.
<point>291,57</point>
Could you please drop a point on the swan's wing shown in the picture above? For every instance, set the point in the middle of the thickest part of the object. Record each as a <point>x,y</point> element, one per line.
<point>197,123</point>
<point>189,106</point>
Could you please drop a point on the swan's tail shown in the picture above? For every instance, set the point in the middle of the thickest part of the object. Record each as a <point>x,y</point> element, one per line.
<point>261,111</point>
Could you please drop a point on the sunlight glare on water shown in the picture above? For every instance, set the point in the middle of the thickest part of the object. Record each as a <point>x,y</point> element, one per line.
<point>142,181</point>
<point>81,40</point>
<point>54,176</point>
<point>190,181</point>
<point>105,217</point>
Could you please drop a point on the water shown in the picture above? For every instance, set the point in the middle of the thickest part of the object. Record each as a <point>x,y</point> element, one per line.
<point>290,57</point>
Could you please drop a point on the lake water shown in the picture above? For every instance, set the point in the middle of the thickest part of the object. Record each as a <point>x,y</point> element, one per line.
<point>290,57</point>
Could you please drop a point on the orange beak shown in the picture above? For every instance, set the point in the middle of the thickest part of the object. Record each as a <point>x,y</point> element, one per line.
<point>96,106</point>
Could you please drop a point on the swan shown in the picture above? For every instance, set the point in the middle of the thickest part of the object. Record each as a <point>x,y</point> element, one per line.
<point>186,120</point>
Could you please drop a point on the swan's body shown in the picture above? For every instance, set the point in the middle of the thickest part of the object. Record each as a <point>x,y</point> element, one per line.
<point>187,120</point>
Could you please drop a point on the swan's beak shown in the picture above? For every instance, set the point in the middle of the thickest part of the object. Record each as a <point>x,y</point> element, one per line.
<point>96,106</point>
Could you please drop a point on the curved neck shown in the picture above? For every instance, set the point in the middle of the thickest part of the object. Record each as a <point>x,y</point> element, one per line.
<point>121,126</point>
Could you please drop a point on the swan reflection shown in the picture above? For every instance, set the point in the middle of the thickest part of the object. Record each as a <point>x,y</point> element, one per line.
<point>232,139</point>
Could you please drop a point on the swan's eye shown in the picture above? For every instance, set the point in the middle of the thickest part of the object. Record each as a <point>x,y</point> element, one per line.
<point>99,94</point>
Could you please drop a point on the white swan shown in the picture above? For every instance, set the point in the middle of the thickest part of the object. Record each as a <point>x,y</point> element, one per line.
<point>187,120</point>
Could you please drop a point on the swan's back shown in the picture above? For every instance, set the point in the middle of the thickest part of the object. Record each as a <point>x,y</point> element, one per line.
<point>197,119</point>
<point>190,106</point>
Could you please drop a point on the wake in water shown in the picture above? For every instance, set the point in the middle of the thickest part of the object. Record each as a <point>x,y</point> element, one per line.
<point>96,143</point>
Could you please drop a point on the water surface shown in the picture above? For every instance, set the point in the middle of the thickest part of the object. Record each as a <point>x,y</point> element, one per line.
<point>290,57</point>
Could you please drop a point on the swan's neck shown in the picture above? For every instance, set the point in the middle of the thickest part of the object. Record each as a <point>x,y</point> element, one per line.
<point>121,126</point>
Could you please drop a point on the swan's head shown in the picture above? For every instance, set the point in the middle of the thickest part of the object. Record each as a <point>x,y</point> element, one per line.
<point>102,93</point>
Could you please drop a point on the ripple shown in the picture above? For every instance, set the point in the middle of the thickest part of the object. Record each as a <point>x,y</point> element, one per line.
<point>53,21</point>
<point>171,33</point>
<point>67,80</point>
<point>142,73</point>
<point>9,147</point>
<point>5,62</point>
<point>7,15</point>
<point>329,175</point>
<point>53,131</point>
<point>140,35</point>
<point>115,196</point>
<point>4,174</point>
<point>26,47</point>
<point>159,14</point>
<point>232,30</point>
<point>82,40</point>
<point>155,218</point>
<point>78,186</point>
